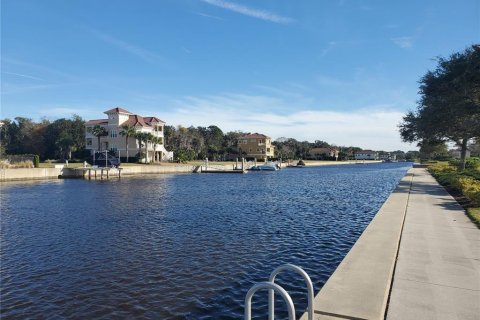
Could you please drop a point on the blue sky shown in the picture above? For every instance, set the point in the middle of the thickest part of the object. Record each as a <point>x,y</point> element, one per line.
<point>342,71</point>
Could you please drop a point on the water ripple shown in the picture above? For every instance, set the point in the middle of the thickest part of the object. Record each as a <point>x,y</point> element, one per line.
<point>178,246</point>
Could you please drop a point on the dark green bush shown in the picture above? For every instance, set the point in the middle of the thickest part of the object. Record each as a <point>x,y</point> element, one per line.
<point>470,163</point>
<point>36,161</point>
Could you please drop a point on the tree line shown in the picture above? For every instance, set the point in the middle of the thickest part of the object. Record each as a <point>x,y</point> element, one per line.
<point>65,139</point>
<point>59,139</point>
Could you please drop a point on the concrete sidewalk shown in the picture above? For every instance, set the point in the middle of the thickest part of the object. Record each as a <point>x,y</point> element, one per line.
<point>437,274</point>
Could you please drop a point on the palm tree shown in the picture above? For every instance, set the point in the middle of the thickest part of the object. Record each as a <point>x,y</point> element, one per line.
<point>98,131</point>
<point>127,132</point>
<point>148,137</point>
<point>155,141</point>
<point>144,137</point>
<point>140,138</point>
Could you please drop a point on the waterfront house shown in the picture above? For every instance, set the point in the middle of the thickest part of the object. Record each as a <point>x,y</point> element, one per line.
<point>116,143</point>
<point>366,155</point>
<point>323,153</point>
<point>387,156</point>
<point>256,145</point>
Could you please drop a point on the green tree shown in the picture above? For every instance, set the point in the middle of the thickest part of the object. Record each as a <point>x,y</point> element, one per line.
<point>449,108</point>
<point>433,149</point>
<point>63,136</point>
<point>98,131</point>
<point>169,133</point>
<point>127,132</point>
<point>144,138</point>
<point>66,145</point>
<point>148,138</point>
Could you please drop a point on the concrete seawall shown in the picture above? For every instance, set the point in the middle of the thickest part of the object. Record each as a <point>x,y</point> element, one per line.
<point>29,174</point>
<point>359,287</point>
<point>157,169</point>
<point>55,173</point>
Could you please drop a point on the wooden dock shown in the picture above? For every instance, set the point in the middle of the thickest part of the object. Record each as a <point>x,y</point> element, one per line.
<point>218,169</point>
<point>104,172</point>
<point>223,171</point>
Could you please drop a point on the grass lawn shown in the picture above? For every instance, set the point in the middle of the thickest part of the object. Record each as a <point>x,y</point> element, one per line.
<point>474,215</point>
<point>52,164</point>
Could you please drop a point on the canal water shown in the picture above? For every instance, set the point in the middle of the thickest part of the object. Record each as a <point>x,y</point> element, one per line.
<point>179,246</point>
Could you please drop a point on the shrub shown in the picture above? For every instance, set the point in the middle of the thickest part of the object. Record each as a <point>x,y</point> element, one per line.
<point>36,161</point>
<point>470,163</point>
<point>24,164</point>
<point>472,173</point>
<point>442,167</point>
<point>5,164</point>
<point>473,163</point>
<point>470,188</point>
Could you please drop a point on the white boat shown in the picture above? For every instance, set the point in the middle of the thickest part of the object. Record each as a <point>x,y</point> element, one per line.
<point>269,166</point>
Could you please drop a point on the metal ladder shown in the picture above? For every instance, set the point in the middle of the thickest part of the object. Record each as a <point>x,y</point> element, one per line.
<point>272,287</point>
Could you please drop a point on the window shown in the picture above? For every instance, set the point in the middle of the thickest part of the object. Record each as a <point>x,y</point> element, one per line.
<point>113,148</point>
<point>89,141</point>
<point>268,149</point>
<point>113,134</point>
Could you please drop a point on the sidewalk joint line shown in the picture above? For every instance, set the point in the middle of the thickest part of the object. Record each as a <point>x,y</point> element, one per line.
<point>336,315</point>
<point>398,246</point>
<point>438,284</point>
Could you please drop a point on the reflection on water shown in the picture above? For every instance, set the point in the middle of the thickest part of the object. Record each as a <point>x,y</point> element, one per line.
<point>178,246</point>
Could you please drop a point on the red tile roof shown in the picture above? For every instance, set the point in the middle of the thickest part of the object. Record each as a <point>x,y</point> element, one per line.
<point>152,120</point>
<point>117,110</point>
<point>98,121</point>
<point>136,121</point>
<point>255,136</point>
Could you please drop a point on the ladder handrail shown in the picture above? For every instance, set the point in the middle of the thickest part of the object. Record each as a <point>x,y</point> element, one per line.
<point>271,293</point>
<point>271,287</point>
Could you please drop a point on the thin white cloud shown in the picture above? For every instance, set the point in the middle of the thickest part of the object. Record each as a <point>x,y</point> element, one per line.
<point>140,52</point>
<point>403,42</point>
<point>374,127</point>
<point>325,80</point>
<point>36,68</point>
<point>58,111</point>
<point>208,16</point>
<point>327,49</point>
<point>249,11</point>
<point>8,88</point>
<point>27,76</point>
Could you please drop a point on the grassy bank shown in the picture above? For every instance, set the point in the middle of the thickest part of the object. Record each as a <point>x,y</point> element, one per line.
<point>463,185</point>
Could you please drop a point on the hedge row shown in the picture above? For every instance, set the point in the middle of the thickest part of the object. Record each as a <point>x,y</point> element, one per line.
<point>465,182</point>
